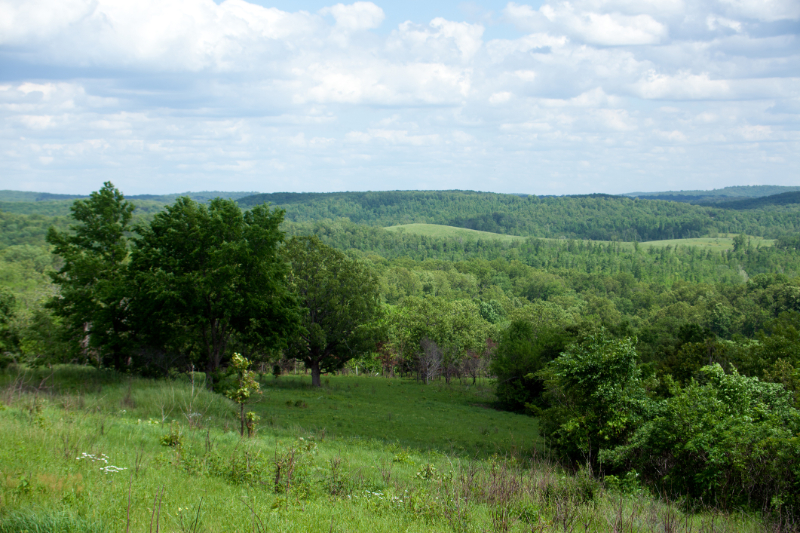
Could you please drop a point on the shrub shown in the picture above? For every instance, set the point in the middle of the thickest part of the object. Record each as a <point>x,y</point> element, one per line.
<point>731,440</point>
<point>597,397</point>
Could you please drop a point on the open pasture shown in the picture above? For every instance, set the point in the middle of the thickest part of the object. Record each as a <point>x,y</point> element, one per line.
<point>717,243</point>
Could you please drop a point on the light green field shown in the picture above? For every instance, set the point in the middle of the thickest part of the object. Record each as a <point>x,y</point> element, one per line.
<point>94,451</point>
<point>723,242</point>
<point>719,243</point>
<point>436,230</point>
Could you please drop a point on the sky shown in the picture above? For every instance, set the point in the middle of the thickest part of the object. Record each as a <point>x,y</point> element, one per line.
<point>549,97</point>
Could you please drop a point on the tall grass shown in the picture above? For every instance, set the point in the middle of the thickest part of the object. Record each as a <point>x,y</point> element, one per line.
<point>177,472</point>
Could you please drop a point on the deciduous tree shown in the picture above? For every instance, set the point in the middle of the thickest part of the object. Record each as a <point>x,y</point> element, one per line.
<point>92,299</point>
<point>210,272</point>
<point>340,302</point>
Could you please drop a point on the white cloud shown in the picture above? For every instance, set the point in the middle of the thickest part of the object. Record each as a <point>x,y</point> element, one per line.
<point>714,22</point>
<point>357,16</point>
<point>500,98</point>
<point>655,8</point>
<point>683,85</point>
<point>173,34</point>
<point>188,93</point>
<point>440,40</point>
<point>608,29</point>
<point>397,137</point>
<point>767,10</point>
<point>378,83</point>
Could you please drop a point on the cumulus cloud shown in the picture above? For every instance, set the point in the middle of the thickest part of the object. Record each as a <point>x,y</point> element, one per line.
<point>174,34</point>
<point>608,29</point>
<point>683,85</point>
<point>192,92</point>
<point>766,10</point>
<point>357,16</point>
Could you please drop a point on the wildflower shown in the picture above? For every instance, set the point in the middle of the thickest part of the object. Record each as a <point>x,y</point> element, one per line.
<point>111,469</point>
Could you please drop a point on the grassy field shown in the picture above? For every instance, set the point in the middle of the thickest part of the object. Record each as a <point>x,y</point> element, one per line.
<point>717,243</point>
<point>93,451</point>
<point>456,419</point>
<point>436,230</point>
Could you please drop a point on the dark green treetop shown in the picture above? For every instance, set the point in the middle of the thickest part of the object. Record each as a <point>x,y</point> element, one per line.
<point>207,273</point>
<point>340,301</point>
<point>92,299</point>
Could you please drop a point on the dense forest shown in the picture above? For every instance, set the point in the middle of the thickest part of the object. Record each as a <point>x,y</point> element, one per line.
<point>674,363</point>
<point>592,217</point>
<point>595,217</point>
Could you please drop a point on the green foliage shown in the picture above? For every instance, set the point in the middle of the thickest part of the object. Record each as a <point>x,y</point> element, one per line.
<point>287,480</point>
<point>42,339</point>
<point>728,439</point>
<point>597,217</point>
<point>20,230</point>
<point>174,438</point>
<point>521,353</point>
<point>435,336</point>
<point>596,395</point>
<point>93,299</point>
<point>7,311</point>
<point>36,521</point>
<point>710,260</point>
<point>205,274</point>
<point>245,386</point>
<point>340,302</point>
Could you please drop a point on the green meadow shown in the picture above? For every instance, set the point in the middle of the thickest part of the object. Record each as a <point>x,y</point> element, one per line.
<point>88,450</point>
<point>456,419</point>
<point>715,243</point>
<point>436,230</point>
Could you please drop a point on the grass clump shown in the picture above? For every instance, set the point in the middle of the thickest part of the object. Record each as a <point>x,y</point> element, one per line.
<point>45,521</point>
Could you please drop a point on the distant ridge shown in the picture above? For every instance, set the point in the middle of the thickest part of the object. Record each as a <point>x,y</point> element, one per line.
<point>714,196</point>
<point>786,198</point>
<point>202,196</point>
<point>598,217</point>
<point>27,196</point>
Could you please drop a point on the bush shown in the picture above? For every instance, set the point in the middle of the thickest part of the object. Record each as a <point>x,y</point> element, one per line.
<point>731,440</point>
<point>596,395</point>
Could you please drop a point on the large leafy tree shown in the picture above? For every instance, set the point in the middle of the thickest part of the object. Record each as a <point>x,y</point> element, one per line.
<point>340,302</point>
<point>207,273</point>
<point>596,395</point>
<point>92,298</point>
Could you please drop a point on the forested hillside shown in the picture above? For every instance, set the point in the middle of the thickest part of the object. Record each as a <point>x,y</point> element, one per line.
<point>783,199</point>
<point>595,217</point>
<point>717,196</point>
<point>36,203</point>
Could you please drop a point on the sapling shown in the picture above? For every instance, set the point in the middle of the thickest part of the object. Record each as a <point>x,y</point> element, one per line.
<point>246,384</point>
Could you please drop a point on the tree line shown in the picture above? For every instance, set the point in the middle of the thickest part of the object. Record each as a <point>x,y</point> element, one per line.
<point>196,283</point>
<point>595,217</point>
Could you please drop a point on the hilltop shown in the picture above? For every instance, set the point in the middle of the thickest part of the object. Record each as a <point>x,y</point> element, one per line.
<point>717,196</point>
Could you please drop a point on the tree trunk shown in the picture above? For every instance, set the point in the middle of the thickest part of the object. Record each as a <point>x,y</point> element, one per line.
<point>209,375</point>
<point>315,374</point>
